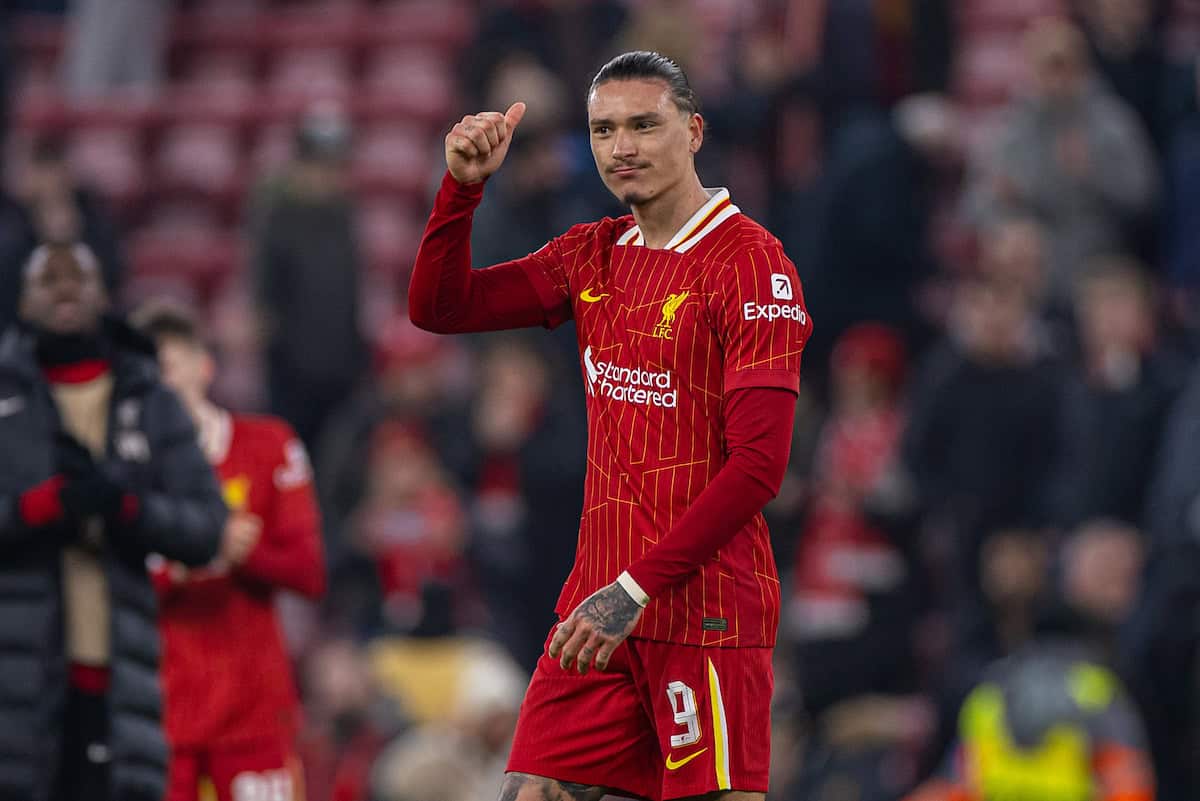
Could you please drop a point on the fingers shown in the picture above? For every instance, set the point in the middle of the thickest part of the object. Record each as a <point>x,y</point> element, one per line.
<point>574,645</point>
<point>588,652</point>
<point>458,143</point>
<point>561,634</point>
<point>605,653</point>
<point>477,135</point>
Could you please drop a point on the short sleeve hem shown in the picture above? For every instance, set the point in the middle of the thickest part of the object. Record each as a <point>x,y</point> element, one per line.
<point>770,379</point>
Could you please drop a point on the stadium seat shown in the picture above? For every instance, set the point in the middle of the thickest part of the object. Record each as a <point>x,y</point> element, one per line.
<point>109,159</point>
<point>271,149</point>
<point>447,24</point>
<point>390,232</point>
<point>393,159</point>
<point>406,82</point>
<point>200,158</point>
<point>301,76</point>
<point>332,25</point>
<point>216,86</point>
<point>199,258</point>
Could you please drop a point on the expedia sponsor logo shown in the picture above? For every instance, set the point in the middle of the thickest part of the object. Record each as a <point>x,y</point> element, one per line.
<point>629,384</point>
<point>774,311</point>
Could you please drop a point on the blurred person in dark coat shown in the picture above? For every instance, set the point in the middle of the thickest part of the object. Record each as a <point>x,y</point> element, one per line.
<point>101,468</point>
<point>1116,398</point>
<point>1161,645</point>
<point>1070,154</point>
<point>307,271</point>
<point>524,478</point>
<point>983,422</point>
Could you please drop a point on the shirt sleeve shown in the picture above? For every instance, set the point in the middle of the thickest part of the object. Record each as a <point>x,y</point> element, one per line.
<point>447,296</point>
<point>289,552</point>
<point>758,435</point>
<point>761,319</point>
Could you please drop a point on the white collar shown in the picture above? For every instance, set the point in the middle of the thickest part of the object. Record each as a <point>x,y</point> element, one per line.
<point>696,228</point>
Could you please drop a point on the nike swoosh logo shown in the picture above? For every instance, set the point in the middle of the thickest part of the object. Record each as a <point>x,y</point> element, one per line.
<point>673,765</point>
<point>587,296</point>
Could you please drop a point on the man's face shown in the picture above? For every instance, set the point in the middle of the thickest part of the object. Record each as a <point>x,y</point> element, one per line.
<point>642,142</point>
<point>186,368</point>
<point>63,294</point>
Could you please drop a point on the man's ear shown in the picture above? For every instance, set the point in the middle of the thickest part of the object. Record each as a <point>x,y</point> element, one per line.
<point>696,133</point>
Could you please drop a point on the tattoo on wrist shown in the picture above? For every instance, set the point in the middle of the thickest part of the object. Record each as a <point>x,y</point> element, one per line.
<point>610,610</point>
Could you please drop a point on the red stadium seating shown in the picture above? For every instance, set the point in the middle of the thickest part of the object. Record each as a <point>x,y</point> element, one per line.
<point>110,159</point>
<point>216,86</point>
<point>393,159</point>
<point>390,233</point>
<point>299,77</point>
<point>202,159</point>
<point>195,256</point>
<point>406,82</point>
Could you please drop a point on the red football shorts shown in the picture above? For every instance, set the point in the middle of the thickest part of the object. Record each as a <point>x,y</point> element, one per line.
<point>258,772</point>
<point>664,721</point>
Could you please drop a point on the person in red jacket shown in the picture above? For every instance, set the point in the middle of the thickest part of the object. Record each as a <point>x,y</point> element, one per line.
<point>231,709</point>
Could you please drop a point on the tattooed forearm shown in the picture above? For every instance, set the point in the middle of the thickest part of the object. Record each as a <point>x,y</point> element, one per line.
<point>610,610</point>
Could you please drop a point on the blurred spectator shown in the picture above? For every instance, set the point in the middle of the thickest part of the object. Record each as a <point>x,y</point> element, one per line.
<point>412,528</point>
<point>59,209</point>
<point>1071,155</point>
<point>308,271</point>
<point>1130,54</point>
<point>885,176</point>
<point>1115,400</point>
<point>984,416</point>
<point>417,376</point>
<point>116,45</point>
<point>852,592</point>
<point>1049,722</point>
<point>102,469</point>
<point>524,478</point>
<point>1162,641</point>
<point>462,757</point>
<point>347,722</point>
<point>854,607</point>
<point>571,39</point>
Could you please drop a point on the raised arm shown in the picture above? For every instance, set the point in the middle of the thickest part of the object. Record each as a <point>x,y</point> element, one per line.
<point>445,295</point>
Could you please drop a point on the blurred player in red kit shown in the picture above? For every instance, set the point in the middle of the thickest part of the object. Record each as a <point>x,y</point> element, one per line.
<point>231,710</point>
<point>690,324</point>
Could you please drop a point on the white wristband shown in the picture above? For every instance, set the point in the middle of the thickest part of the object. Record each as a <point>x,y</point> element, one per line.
<point>635,591</point>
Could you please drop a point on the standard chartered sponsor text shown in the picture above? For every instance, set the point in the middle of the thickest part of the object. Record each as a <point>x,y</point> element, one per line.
<point>630,384</point>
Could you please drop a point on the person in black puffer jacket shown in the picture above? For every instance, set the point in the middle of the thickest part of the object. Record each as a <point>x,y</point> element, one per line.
<point>101,468</point>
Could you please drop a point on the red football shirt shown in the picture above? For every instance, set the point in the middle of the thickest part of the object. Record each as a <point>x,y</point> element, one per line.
<point>227,679</point>
<point>663,336</point>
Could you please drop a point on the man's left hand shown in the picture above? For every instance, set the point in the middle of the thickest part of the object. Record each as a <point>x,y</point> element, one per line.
<point>594,630</point>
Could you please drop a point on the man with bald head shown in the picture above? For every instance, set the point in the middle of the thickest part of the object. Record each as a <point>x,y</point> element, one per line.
<point>101,468</point>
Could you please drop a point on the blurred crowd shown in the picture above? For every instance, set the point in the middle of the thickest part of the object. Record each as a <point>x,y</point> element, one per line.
<point>990,530</point>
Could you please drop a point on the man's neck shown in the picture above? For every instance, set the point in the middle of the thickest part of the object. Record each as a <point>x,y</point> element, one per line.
<point>661,218</point>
